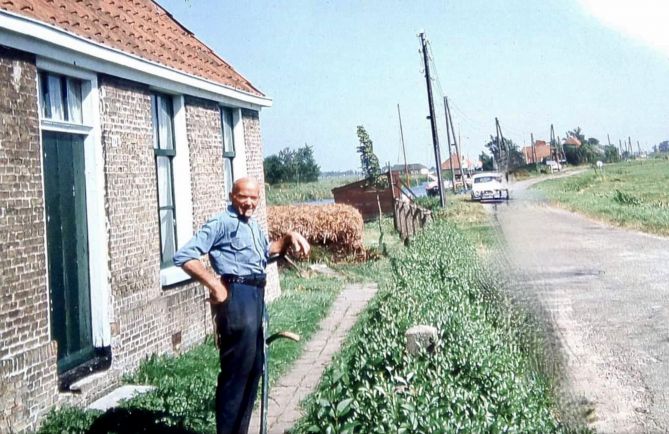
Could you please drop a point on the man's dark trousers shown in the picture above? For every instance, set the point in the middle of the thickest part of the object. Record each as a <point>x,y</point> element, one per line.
<point>239,324</point>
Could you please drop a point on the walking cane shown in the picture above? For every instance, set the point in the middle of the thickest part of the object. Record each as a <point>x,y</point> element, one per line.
<point>265,362</point>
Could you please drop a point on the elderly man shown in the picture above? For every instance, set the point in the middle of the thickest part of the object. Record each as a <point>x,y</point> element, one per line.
<point>238,251</point>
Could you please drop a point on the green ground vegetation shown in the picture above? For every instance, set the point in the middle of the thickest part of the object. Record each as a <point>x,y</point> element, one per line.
<point>632,194</point>
<point>185,385</point>
<point>292,193</point>
<point>183,401</point>
<point>470,217</point>
<point>485,372</point>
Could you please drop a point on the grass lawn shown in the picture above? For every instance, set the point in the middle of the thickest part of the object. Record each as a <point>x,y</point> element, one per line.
<point>629,194</point>
<point>290,193</point>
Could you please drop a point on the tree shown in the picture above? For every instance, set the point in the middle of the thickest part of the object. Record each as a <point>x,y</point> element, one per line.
<point>508,150</point>
<point>273,168</point>
<point>486,161</point>
<point>368,160</point>
<point>292,166</point>
<point>307,169</point>
<point>611,154</point>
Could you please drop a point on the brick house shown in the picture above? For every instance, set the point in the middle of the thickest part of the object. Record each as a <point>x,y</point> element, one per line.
<point>542,150</point>
<point>120,133</point>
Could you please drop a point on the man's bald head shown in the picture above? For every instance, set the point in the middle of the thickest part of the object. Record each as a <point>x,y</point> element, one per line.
<point>245,196</point>
<point>246,182</point>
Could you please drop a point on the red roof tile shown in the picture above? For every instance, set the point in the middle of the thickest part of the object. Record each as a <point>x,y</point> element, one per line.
<point>541,148</point>
<point>138,27</point>
<point>447,164</point>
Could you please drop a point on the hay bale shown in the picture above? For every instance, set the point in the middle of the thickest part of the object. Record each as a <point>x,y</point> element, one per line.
<point>337,227</point>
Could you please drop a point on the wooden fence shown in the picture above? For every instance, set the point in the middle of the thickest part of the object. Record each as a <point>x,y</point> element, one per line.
<point>410,218</point>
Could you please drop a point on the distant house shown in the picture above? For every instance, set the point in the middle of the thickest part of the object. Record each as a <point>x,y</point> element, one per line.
<point>542,151</point>
<point>455,162</point>
<point>571,140</point>
<point>121,134</point>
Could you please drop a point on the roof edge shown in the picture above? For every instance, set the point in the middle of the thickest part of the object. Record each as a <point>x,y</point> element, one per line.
<point>41,38</point>
<point>204,44</point>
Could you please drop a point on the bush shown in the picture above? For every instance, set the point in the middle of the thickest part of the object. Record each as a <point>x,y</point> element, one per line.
<point>483,374</point>
<point>337,227</point>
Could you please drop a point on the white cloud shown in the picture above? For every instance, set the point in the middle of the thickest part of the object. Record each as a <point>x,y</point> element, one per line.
<point>644,20</point>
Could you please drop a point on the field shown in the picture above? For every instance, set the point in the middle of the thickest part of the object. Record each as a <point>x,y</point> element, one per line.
<point>630,194</point>
<point>293,193</point>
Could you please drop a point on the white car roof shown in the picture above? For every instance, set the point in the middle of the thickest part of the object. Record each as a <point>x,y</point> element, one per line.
<point>480,175</point>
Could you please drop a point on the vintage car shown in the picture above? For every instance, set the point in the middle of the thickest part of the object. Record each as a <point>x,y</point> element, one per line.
<point>489,186</point>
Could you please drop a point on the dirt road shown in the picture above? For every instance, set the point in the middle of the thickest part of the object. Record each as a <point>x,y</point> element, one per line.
<point>606,292</point>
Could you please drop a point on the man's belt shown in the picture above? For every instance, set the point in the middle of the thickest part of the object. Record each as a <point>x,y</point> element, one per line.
<point>257,280</point>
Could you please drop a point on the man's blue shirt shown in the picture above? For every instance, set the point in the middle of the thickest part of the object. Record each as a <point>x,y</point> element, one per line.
<point>235,245</point>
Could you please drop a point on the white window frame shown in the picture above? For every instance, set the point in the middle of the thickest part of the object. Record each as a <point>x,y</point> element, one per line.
<point>98,254</point>
<point>183,201</point>
<point>239,169</point>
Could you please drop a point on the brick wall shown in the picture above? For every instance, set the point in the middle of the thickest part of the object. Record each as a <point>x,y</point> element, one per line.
<point>27,358</point>
<point>147,318</point>
<point>205,143</point>
<point>254,167</point>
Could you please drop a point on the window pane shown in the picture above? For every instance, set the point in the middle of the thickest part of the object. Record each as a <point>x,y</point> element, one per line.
<point>166,135</point>
<point>44,86</point>
<point>227,167</point>
<point>55,98</point>
<point>167,237</point>
<point>164,182</point>
<point>74,100</point>
<point>228,139</point>
<point>154,120</point>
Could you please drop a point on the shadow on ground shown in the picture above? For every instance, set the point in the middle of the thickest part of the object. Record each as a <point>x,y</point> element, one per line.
<point>132,420</point>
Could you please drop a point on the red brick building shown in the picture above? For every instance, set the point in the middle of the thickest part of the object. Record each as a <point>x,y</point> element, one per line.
<point>120,134</point>
<point>542,150</point>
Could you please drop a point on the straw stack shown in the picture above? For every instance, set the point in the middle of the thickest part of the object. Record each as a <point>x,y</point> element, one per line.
<point>337,227</point>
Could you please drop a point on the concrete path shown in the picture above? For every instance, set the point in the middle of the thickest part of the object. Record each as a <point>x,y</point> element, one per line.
<point>286,395</point>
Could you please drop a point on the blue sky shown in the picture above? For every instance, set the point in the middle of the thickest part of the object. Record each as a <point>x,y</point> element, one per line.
<point>332,65</point>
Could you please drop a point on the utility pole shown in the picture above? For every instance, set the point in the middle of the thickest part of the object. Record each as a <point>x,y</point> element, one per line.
<point>608,138</point>
<point>433,123</point>
<point>404,151</point>
<point>457,148</point>
<point>501,144</point>
<point>534,152</point>
<point>554,146</point>
<point>450,147</point>
<point>620,147</point>
<point>638,146</point>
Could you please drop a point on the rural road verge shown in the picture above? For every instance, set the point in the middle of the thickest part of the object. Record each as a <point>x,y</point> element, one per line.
<point>605,291</point>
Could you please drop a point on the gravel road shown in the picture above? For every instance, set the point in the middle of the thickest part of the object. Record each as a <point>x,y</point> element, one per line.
<point>606,292</point>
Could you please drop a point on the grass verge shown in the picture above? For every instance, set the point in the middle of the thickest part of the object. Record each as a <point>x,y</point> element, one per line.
<point>292,193</point>
<point>482,374</point>
<point>629,194</point>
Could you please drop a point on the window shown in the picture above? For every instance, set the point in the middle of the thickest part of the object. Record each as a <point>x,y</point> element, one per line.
<point>164,151</point>
<point>61,98</point>
<point>228,147</point>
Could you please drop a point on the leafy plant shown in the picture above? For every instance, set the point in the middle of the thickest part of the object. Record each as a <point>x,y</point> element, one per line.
<point>626,199</point>
<point>483,375</point>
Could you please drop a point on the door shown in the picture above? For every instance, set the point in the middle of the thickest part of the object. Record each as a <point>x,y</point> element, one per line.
<point>67,248</point>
